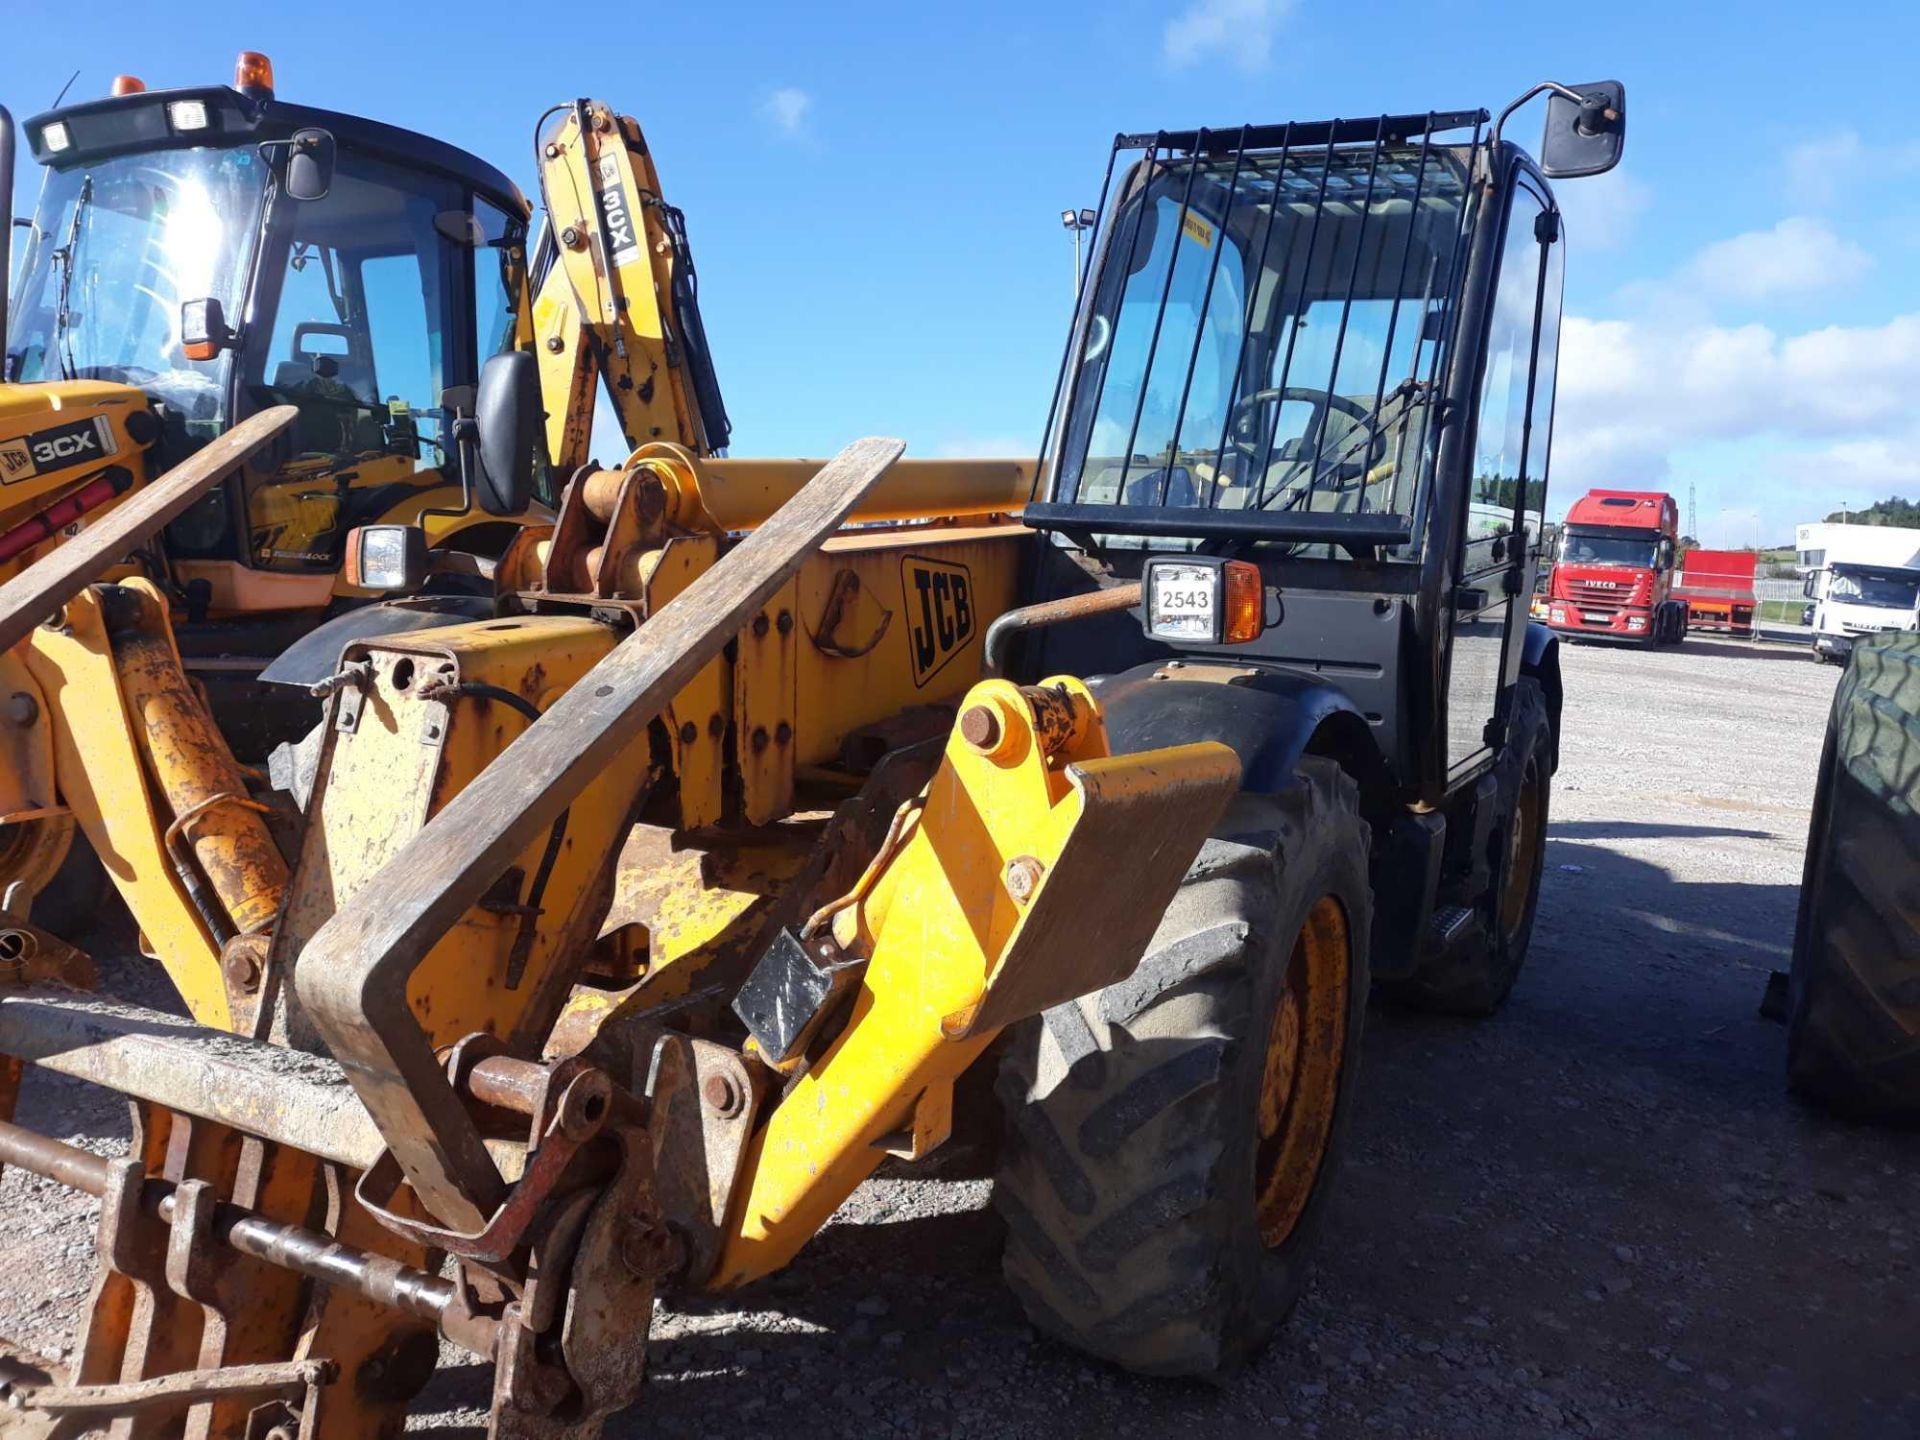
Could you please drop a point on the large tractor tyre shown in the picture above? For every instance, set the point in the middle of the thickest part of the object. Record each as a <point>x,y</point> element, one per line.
<point>1853,1017</point>
<point>55,862</point>
<point>1171,1140</point>
<point>1477,980</point>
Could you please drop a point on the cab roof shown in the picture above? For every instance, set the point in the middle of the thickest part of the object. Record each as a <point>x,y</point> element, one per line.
<point>124,124</point>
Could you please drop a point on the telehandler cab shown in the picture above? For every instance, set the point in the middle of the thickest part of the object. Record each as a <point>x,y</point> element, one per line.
<point>635,922</point>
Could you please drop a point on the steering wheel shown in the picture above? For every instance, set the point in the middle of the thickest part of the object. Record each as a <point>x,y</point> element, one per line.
<point>1346,473</point>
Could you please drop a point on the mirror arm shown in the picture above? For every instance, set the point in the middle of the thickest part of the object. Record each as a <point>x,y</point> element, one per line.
<point>1545,87</point>
<point>466,443</point>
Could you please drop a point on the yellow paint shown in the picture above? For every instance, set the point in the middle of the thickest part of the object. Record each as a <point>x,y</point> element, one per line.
<point>698,716</point>
<point>408,756</point>
<point>602,186</point>
<point>836,694</point>
<point>29,483</point>
<point>102,779</point>
<point>945,937</point>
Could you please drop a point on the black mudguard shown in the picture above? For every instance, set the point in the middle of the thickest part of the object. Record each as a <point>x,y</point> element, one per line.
<point>316,655</point>
<point>1540,659</point>
<point>1269,718</point>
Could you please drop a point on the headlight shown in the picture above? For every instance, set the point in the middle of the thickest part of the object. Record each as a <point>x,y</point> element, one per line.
<point>386,557</point>
<point>54,136</point>
<point>1636,622</point>
<point>1204,601</point>
<point>188,114</point>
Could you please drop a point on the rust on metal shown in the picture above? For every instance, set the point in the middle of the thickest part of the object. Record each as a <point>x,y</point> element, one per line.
<point>175,1391</point>
<point>354,973</point>
<point>291,1247</point>
<point>1026,618</point>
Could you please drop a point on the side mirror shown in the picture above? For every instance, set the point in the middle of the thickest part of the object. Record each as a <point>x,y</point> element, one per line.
<point>310,165</point>
<point>508,418</point>
<point>386,557</point>
<point>1806,586</point>
<point>203,328</point>
<point>1585,137</point>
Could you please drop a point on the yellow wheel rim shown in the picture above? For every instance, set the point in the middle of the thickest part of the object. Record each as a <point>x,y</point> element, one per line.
<point>1521,845</point>
<point>1300,1081</point>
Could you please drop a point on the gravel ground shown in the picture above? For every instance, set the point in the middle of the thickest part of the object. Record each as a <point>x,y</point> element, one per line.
<point>1597,1213</point>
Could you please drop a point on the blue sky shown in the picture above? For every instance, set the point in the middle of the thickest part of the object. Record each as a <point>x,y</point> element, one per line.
<point>874,189</point>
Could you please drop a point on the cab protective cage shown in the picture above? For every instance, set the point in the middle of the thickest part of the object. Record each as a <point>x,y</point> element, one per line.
<point>1254,160</point>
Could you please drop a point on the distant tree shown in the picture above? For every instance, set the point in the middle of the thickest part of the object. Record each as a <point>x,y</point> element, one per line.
<point>1891,511</point>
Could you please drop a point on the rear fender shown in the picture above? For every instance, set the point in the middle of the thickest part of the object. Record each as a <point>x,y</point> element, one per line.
<point>1269,718</point>
<point>1540,659</point>
<point>316,655</point>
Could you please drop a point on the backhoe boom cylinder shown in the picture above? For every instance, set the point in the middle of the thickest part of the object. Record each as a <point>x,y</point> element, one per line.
<point>196,772</point>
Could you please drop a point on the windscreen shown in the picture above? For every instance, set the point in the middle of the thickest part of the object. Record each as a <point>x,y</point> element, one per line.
<point>1265,332</point>
<point>1580,547</point>
<point>1882,589</point>
<point>114,249</point>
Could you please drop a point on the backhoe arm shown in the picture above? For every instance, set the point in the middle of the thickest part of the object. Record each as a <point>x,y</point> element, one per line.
<point>615,294</point>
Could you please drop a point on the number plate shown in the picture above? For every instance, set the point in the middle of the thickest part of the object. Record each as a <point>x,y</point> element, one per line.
<point>1183,602</point>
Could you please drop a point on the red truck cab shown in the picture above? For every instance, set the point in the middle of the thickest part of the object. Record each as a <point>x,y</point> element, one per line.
<point>1614,569</point>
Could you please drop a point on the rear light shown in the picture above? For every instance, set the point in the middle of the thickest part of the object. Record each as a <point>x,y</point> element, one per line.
<point>1205,601</point>
<point>253,73</point>
<point>129,85</point>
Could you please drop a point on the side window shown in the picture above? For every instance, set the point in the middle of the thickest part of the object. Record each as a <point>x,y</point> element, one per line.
<point>312,333</point>
<point>496,270</point>
<point>1511,436</point>
<point>370,321</point>
<point>402,329</point>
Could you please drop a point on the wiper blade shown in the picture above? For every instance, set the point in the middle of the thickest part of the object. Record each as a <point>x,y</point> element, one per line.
<point>65,257</point>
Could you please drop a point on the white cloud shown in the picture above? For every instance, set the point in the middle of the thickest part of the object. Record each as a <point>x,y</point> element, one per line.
<point>786,110</point>
<point>1239,31</point>
<point>1836,401</point>
<point>1820,170</point>
<point>1601,212</point>
<point>1797,257</point>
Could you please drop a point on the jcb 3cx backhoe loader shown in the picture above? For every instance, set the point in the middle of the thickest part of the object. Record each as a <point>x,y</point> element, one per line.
<point>199,255</point>
<point>633,925</point>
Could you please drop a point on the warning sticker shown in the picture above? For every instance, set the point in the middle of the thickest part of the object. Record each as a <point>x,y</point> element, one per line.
<point>1194,228</point>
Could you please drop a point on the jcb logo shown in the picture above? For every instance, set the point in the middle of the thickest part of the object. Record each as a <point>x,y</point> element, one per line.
<point>55,449</point>
<point>940,615</point>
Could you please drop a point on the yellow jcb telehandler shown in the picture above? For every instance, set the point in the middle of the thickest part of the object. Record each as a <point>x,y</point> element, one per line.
<point>630,926</point>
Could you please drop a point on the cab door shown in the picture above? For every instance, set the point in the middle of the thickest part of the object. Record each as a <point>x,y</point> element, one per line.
<point>1506,489</point>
